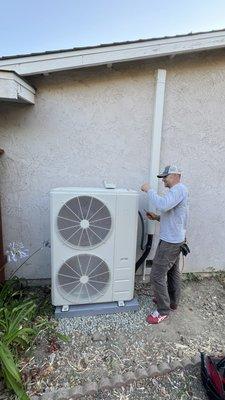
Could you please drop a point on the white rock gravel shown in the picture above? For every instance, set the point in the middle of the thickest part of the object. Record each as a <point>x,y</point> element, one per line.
<point>129,342</point>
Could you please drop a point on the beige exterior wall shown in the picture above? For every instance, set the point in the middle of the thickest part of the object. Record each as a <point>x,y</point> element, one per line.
<point>91,125</point>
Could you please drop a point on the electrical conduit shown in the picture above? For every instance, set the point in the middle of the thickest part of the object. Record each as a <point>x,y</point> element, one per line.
<point>160,81</point>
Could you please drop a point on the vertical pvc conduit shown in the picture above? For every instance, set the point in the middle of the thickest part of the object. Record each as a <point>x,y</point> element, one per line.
<point>160,81</point>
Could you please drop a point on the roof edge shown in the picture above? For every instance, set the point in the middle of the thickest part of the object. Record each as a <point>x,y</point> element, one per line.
<point>107,44</point>
<point>39,63</point>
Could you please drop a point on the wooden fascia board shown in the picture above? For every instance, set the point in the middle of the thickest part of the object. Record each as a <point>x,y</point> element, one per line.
<point>44,63</point>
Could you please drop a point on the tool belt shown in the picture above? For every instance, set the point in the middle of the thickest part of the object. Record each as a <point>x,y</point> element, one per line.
<point>184,249</point>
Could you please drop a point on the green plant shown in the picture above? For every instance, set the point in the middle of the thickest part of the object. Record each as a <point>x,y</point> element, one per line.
<point>192,277</point>
<point>11,373</point>
<point>10,291</point>
<point>24,315</point>
<point>220,276</point>
<point>14,334</point>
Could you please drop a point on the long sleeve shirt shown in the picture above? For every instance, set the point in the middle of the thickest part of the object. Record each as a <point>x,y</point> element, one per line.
<point>174,212</point>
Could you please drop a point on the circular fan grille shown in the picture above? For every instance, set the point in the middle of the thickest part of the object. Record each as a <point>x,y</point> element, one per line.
<point>83,278</point>
<point>84,221</point>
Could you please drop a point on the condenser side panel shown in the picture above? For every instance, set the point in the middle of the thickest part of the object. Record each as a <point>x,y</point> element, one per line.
<point>125,246</point>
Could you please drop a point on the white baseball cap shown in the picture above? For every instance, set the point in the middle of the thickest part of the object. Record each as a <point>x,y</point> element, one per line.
<point>169,169</point>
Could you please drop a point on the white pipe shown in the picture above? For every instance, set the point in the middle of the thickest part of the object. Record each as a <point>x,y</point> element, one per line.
<point>160,81</point>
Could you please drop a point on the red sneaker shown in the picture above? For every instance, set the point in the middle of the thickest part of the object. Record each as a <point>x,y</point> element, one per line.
<point>156,318</point>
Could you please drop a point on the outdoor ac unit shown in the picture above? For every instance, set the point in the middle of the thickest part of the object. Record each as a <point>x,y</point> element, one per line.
<point>93,245</point>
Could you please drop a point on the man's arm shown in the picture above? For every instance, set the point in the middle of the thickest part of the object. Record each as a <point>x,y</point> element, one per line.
<point>167,202</point>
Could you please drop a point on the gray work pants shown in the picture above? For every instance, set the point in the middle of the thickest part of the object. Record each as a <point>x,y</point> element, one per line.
<point>166,276</point>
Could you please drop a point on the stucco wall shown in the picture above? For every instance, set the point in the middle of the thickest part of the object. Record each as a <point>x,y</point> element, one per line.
<point>91,125</point>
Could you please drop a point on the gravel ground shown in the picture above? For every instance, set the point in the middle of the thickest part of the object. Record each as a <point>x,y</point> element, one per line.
<point>103,345</point>
<point>180,385</point>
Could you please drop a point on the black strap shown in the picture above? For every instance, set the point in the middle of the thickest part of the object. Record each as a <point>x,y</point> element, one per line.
<point>221,363</point>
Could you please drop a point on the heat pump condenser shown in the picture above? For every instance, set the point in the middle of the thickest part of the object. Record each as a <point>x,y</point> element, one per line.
<point>93,245</point>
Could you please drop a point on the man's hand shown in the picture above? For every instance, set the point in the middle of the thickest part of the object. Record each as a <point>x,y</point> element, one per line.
<point>152,216</point>
<point>145,187</point>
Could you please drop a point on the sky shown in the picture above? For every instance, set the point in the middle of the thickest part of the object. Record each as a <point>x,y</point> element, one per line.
<point>29,26</point>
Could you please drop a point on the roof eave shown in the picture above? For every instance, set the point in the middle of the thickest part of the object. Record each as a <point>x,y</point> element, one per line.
<point>13,88</point>
<point>115,53</point>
